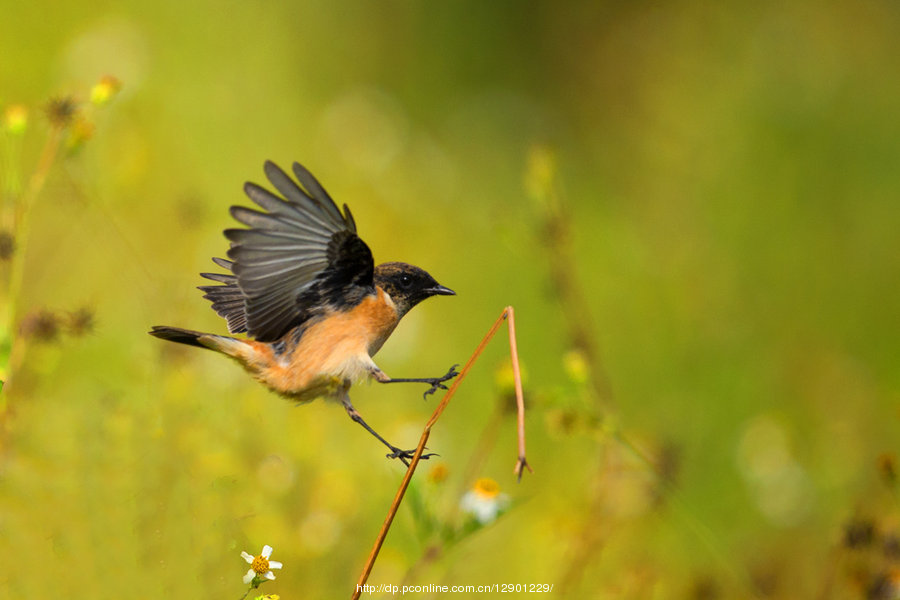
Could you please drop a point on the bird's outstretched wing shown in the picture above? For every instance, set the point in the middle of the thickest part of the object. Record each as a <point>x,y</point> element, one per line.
<point>295,260</point>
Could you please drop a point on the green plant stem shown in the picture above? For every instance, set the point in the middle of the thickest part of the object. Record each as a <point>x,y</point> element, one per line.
<point>11,347</point>
<point>11,168</point>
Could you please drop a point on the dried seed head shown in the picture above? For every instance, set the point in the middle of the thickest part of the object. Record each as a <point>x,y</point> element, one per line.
<point>41,325</point>
<point>859,533</point>
<point>887,467</point>
<point>80,322</point>
<point>61,111</point>
<point>7,245</point>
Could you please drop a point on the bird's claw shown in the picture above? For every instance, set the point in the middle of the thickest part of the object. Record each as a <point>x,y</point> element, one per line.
<point>438,382</point>
<point>406,455</point>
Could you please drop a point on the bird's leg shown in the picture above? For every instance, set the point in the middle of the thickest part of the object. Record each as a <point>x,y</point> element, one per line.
<point>403,455</point>
<point>437,383</point>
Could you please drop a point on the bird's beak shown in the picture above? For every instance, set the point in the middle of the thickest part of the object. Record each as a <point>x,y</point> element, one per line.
<point>440,290</point>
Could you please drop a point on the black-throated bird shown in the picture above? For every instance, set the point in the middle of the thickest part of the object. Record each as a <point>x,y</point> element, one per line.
<point>305,289</point>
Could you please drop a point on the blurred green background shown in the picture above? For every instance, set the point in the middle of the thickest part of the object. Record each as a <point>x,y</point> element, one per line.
<point>692,206</point>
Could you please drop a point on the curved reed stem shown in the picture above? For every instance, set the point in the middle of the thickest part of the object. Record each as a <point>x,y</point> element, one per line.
<point>521,463</point>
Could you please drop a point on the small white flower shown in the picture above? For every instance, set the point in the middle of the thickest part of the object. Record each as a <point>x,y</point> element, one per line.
<point>260,566</point>
<point>484,501</point>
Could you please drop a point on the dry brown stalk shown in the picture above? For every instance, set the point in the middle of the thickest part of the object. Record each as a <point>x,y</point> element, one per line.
<point>521,463</point>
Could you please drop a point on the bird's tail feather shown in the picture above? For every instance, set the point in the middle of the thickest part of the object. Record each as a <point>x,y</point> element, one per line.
<point>177,334</point>
<point>233,347</point>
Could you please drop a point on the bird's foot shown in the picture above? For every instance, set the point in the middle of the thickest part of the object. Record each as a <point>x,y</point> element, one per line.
<point>437,383</point>
<point>406,455</point>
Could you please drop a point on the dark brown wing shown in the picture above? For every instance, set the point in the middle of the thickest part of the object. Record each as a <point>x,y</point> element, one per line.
<point>296,259</point>
<point>228,299</point>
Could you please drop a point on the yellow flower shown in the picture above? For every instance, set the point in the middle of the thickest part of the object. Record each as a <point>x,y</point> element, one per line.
<point>15,119</point>
<point>576,366</point>
<point>484,501</point>
<point>260,566</point>
<point>505,378</point>
<point>438,473</point>
<point>105,90</point>
<point>80,132</point>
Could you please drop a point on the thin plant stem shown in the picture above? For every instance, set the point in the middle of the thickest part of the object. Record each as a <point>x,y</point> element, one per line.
<point>12,183</point>
<point>417,456</point>
<point>521,463</point>
<point>11,347</point>
<point>576,309</point>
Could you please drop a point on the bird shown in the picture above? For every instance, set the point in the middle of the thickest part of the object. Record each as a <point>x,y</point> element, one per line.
<point>304,288</point>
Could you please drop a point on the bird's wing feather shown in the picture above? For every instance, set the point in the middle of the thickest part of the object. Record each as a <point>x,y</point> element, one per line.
<point>295,258</point>
<point>227,300</point>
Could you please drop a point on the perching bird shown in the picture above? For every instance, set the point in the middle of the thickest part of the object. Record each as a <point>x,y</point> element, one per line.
<point>303,286</point>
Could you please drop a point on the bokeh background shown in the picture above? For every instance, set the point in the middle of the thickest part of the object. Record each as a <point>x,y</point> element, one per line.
<point>692,206</point>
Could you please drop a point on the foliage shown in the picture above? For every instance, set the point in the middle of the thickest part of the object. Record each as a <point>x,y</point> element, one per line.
<point>692,207</point>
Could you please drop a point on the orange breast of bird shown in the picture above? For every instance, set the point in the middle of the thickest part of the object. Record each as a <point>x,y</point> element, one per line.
<point>334,351</point>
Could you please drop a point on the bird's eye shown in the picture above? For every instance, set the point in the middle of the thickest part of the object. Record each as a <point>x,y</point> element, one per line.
<point>405,281</point>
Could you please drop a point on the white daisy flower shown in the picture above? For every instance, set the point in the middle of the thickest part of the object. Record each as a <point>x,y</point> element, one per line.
<point>260,566</point>
<point>484,501</point>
